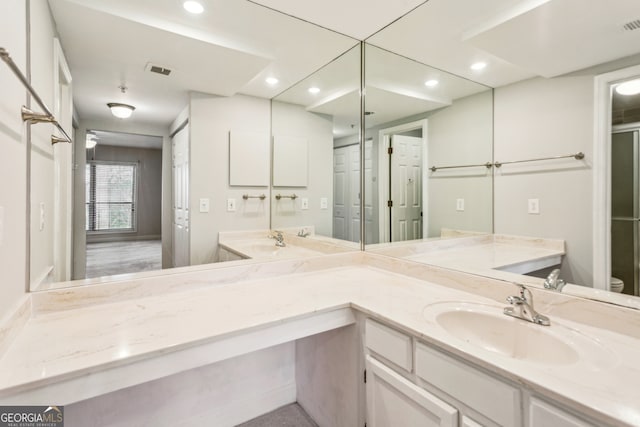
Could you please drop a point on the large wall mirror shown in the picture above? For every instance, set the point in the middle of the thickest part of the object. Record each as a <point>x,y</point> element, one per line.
<point>446,85</point>
<point>429,141</point>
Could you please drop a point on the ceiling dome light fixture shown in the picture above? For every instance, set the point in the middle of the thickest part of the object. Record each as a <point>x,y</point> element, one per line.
<point>632,87</point>
<point>193,7</point>
<point>272,81</point>
<point>314,90</point>
<point>431,83</point>
<point>121,111</point>
<point>477,66</point>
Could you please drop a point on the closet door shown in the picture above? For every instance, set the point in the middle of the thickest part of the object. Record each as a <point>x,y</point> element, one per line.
<point>180,167</point>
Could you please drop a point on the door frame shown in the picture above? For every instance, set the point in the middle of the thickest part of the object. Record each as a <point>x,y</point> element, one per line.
<point>383,175</point>
<point>603,86</point>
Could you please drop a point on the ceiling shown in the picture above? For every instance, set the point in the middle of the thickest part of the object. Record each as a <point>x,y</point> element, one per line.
<point>236,44</point>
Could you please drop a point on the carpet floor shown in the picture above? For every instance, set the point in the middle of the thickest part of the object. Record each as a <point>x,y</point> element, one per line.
<point>107,259</point>
<point>288,416</point>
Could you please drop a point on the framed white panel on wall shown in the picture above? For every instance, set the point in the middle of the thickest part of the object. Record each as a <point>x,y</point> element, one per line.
<point>248,159</point>
<point>290,161</point>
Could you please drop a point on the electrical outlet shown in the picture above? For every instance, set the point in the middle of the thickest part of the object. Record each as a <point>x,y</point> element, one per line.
<point>533,206</point>
<point>304,203</point>
<point>204,205</point>
<point>231,205</point>
<point>324,202</point>
<point>460,205</point>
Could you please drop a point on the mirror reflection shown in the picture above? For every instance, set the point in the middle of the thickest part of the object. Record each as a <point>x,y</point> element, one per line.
<point>307,121</point>
<point>429,140</point>
<point>172,119</point>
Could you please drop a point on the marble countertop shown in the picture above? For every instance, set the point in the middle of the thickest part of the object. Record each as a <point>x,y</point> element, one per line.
<point>80,339</point>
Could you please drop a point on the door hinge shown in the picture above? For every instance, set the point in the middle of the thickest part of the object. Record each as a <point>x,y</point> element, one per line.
<point>389,203</point>
<point>390,150</point>
<point>365,376</point>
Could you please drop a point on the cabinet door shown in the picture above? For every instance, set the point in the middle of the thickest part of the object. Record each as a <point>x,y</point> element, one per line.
<point>394,401</point>
<point>468,422</point>
<point>541,414</point>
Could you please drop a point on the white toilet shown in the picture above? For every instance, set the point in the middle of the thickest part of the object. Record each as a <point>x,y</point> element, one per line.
<point>617,285</point>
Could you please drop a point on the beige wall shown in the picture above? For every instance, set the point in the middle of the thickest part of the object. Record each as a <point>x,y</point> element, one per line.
<point>461,134</point>
<point>539,118</point>
<point>211,119</point>
<point>149,190</point>
<point>13,191</point>
<point>291,120</point>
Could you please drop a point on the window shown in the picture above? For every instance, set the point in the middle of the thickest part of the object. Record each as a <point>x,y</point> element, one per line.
<point>110,196</point>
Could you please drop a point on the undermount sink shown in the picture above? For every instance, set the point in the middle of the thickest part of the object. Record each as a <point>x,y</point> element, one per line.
<point>486,327</point>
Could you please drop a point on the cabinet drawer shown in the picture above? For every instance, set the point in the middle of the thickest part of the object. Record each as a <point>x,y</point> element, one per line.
<point>481,392</point>
<point>542,414</point>
<point>389,343</point>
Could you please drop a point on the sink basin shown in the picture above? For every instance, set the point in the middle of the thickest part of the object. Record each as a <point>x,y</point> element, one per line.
<point>484,326</point>
<point>268,249</point>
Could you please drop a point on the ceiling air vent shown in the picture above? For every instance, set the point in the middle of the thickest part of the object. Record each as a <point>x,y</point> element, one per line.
<point>633,25</point>
<point>158,69</point>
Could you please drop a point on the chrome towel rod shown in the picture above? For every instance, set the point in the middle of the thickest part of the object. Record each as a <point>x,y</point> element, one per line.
<point>247,197</point>
<point>292,197</point>
<point>577,156</point>
<point>27,114</point>
<point>488,165</point>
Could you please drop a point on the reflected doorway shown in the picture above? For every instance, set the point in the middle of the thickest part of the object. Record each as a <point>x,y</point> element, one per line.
<point>123,203</point>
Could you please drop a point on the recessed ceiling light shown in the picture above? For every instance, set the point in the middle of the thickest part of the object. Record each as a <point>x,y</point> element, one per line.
<point>272,80</point>
<point>631,87</point>
<point>431,83</point>
<point>193,7</point>
<point>478,66</point>
<point>314,89</point>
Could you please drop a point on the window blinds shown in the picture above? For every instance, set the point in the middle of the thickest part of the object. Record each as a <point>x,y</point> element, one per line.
<point>110,196</point>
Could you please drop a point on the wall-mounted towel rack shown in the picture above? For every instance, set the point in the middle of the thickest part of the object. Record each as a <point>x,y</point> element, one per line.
<point>577,156</point>
<point>486,165</point>
<point>280,196</point>
<point>29,115</point>
<point>247,197</point>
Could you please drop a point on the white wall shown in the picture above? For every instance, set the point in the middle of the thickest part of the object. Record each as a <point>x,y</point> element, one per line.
<point>211,120</point>
<point>539,118</point>
<point>461,134</point>
<point>13,191</point>
<point>294,121</point>
<point>42,188</point>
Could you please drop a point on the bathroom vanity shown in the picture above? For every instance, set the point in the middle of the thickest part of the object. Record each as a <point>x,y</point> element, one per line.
<point>425,335</point>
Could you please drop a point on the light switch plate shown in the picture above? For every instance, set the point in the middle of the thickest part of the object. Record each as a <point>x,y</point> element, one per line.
<point>204,205</point>
<point>231,205</point>
<point>304,203</point>
<point>324,202</point>
<point>460,205</point>
<point>41,216</point>
<point>533,206</point>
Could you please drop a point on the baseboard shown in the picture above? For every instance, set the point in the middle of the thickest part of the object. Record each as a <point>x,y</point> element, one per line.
<point>106,238</point>
<point>245,409</point>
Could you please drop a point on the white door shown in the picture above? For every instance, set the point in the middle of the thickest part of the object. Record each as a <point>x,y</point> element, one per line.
<point>370,190</point>
<point>180,169</point>
<point>354,193</point>
<point>340,190</point>
<point>393,401</point>
<point>346,193</point>
<point>63,161</point>
<point>406,188</point>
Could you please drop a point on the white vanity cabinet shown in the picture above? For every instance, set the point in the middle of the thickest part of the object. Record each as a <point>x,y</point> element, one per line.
<point>543,414</point>
<point>392,400</point>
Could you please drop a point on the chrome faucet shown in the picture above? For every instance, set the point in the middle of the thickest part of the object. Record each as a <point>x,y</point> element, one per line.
<point>303,233</point>
<point>553,281</point>
<point>522,308</point>
<point>275,234</point>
